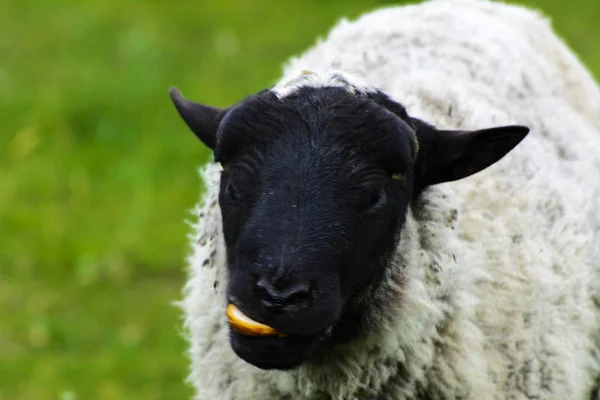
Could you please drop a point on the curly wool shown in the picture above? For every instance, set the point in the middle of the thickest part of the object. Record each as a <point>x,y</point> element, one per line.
<point>494,289</point>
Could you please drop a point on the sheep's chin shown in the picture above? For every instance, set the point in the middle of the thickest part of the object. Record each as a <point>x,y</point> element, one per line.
<point>272,352</point>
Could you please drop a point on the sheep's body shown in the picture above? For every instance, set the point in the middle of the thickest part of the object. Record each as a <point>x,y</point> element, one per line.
<point>496,294</point>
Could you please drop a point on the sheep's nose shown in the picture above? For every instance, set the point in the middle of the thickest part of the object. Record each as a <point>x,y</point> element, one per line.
<point>276,298</point>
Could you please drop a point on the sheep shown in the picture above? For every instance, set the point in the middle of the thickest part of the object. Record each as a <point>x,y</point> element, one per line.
<point>413,206</point>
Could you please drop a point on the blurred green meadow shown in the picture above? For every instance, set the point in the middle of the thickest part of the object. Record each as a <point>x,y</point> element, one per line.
<point>98,174</point>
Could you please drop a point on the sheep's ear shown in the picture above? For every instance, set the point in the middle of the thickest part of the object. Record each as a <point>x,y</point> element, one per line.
<point>201,119</point>
<point>446,156</point>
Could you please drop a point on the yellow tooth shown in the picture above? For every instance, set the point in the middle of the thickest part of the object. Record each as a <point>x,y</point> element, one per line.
<point>247,326</point>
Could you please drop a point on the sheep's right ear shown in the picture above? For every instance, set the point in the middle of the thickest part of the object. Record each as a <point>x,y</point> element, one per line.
<point>202,120</point>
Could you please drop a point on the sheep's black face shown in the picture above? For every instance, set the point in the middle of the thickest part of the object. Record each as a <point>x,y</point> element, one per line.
<point>310,211</point>
<point>314,192</point>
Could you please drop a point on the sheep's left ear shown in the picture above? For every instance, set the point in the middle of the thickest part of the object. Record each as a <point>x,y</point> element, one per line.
<point>202,120</point>
<point>446,156</point>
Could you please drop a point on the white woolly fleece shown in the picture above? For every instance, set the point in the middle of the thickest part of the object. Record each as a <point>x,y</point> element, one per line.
<point>495,289</point>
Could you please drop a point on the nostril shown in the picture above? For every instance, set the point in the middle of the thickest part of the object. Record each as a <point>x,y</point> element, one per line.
<point>297,293</point>
<point>274,298</point>
<point>265,290</point>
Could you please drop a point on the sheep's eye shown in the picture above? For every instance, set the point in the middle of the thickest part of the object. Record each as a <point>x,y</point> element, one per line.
<point>377,200</point>
<point>231,191</point>
<point>398,176</point>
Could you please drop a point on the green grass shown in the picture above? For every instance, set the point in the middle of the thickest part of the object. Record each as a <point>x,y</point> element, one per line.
<point>98,173</point>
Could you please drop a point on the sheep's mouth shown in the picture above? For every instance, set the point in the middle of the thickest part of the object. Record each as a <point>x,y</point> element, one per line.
<point>241,323</point>
<point>267,348</point>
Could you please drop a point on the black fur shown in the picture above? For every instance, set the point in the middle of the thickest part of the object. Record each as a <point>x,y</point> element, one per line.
<point>311,212</point>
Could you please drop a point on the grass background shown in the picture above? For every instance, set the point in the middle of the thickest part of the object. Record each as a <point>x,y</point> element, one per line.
<point>97,173</point>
